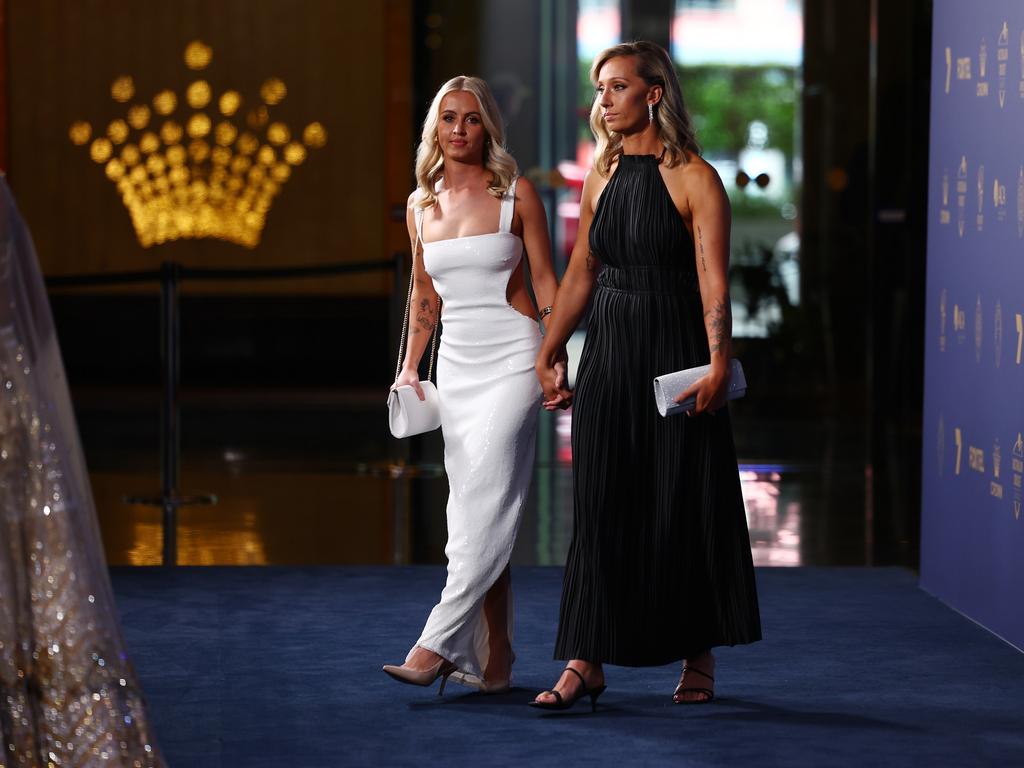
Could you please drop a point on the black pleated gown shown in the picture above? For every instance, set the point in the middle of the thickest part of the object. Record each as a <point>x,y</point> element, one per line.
<point>659,567</point>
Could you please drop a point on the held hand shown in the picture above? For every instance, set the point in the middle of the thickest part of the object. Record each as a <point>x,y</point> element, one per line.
<point>564,399</point>
<point>562,369</point>
<point>411,378</point>
<point>709,390</point>
<point>561,375</point>
<point>552,376</point>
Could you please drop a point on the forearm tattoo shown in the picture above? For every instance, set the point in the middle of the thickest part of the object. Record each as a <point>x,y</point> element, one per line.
<point>700,244</point>
<point>719,322</point>
<point>424,317</point>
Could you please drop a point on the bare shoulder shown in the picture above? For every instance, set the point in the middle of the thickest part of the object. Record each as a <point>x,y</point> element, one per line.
<point>410,211</point>
<point>696,174</point>
<point>694,184</point>
<point>529,207</point>
<point>526,192</point>
<point>524,186</point>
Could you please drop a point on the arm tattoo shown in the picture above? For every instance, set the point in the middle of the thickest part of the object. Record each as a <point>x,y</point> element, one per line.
<point>590,261</point>
<point>719,325</point>
<point>700,243</point>
<point>425,317</point>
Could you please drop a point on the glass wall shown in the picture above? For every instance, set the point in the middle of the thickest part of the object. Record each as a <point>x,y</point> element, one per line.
<point>739,62</point>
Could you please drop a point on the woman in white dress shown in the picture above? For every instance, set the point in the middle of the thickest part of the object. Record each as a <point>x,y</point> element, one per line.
<point>470,220</point>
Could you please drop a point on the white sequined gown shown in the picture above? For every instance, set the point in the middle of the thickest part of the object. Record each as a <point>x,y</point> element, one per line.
<point>490,399</point>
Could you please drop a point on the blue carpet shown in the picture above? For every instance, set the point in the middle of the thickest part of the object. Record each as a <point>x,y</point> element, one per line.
<point>280,667</point>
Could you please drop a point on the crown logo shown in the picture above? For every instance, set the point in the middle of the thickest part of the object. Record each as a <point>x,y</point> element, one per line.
<point>199,166</point>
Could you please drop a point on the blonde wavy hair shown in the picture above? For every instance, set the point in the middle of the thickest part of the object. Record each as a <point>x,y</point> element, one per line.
<point>497,160</point>
<point>675,128</point>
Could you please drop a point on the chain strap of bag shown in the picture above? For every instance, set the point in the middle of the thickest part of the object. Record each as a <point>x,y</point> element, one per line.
<point>408,314</point>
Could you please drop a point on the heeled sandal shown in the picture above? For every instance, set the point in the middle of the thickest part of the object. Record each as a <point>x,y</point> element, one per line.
<point>709,693</point>
<point>561,703</point>
<point>403,674</point>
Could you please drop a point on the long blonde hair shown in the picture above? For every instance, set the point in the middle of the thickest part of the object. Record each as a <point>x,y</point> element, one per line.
<point>497,160</point>
<point>675,128</point>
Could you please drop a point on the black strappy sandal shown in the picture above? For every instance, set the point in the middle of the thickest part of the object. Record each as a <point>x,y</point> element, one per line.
<point>708,692</point>
<point>561,703</point>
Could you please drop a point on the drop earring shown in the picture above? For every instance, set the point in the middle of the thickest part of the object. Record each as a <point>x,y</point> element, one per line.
<point>650,113</point>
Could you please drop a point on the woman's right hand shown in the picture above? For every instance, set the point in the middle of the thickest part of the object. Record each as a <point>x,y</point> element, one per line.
<point>411,378</point>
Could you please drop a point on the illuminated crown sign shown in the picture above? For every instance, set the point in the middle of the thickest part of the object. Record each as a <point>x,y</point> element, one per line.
<point>209,177</point>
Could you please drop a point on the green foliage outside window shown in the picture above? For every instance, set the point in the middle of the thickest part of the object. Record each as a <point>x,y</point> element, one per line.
<point>723,101</point>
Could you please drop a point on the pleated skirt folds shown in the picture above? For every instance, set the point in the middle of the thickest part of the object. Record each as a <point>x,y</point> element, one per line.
<point>659,567</point>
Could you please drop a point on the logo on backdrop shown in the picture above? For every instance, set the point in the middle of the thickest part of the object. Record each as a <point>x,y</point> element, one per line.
<point>995,488</point>
<point>942,321</point>
<point>1020,334</point>
<point>949,63</point>
<point>980,221</point>
<point>963,68</point>
<point>961,195</point>
<point>1003,61</point>
<point>1020,202</point>
<point>976,459</point>
<point>997,333</point>
<point>977,331</point>
<point>944,217</point>
<point>999,199</point>
<point>1017,472</point>
<point>1020,86</point>
<point>959,323</point>
<point>982,87</point>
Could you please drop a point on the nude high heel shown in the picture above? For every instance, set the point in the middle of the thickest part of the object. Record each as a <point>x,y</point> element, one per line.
<point>425,677</point>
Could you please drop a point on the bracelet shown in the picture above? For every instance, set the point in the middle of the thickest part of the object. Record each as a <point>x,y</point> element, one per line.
<point>545,312</point>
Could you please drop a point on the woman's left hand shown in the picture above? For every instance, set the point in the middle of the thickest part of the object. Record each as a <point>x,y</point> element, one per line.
<point>709,390</point>
<point>554,379</point>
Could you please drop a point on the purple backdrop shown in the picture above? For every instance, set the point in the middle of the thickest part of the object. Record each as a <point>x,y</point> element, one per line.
<point>972,524</point>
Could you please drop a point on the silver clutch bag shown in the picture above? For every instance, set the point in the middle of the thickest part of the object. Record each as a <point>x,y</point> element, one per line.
<point>670,385</point>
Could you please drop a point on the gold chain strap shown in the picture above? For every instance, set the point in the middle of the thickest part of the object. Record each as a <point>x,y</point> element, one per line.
<point>408,314</point>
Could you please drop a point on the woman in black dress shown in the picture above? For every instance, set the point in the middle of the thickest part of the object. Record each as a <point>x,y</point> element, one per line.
<point>659,568</point>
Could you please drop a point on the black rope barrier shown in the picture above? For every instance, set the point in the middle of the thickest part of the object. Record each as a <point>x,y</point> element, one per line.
<point>220,273</point>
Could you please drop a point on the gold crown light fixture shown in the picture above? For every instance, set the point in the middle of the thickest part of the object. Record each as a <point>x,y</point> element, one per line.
<point>197,165</point>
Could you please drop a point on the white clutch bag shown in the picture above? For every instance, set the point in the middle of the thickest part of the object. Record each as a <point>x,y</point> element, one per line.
<point>670,385</point>
<point>408,415</point>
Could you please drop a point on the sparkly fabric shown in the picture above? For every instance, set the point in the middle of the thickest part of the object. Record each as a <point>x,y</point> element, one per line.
<point>68,693</point>
<point>490,400</point>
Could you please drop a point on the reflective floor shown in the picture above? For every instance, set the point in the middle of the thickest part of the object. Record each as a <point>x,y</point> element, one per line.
<point>314,479</point>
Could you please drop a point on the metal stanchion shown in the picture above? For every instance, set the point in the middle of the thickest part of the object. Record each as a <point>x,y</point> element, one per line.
<point>170,417</point>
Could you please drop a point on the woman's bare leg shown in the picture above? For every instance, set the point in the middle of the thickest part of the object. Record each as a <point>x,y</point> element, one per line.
<point>499,661</point>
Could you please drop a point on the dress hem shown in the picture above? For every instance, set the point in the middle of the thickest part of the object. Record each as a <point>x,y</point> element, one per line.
<point>659,661</point>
